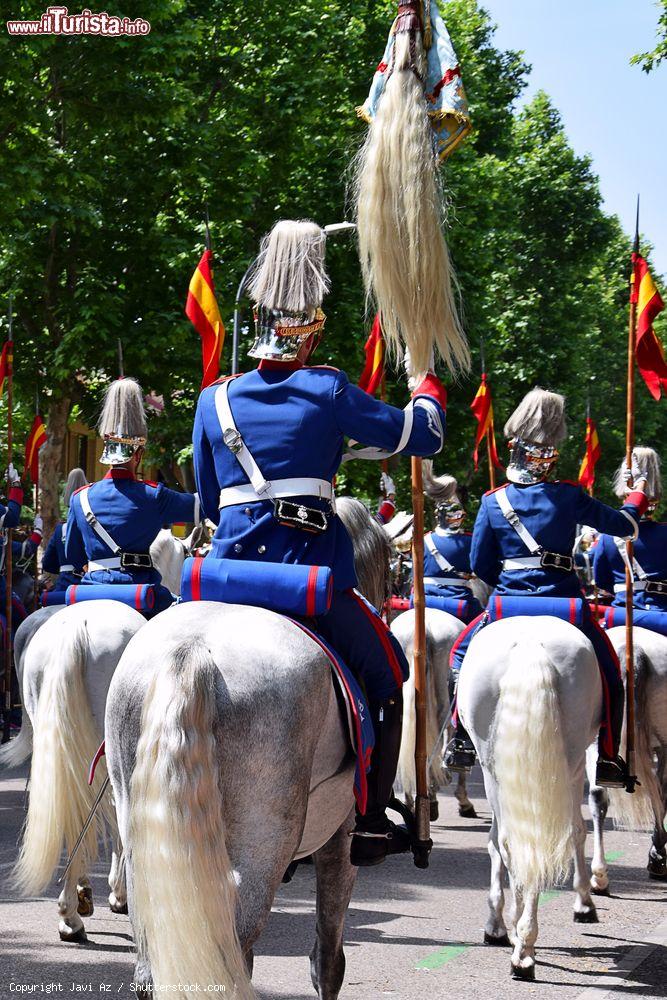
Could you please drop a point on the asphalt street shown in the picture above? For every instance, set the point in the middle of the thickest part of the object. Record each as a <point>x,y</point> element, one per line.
<point>409,933</point>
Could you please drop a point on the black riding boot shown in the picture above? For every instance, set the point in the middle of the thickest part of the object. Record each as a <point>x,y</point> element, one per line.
<point>613,772</point>
<point>374,836</point>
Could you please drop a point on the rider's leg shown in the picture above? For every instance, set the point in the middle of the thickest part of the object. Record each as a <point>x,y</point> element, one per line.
<point>357,632</point>
<point>611,769</point>
<point>460,753</point>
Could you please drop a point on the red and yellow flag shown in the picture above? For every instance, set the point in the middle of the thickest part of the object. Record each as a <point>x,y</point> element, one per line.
<point>6,359</point>
<point>36,439</point>
<point>587,470</point>
<point>201,309</point>
<point>650,356</point>
<point>482,408</point>
<point>373,373</point>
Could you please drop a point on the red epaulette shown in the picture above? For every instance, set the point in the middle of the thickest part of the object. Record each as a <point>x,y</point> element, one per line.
<point>329,368</point>
<point>568,482</point>
<point>86,487</point>
<point>149,482</point>
<point>495,489</point>
<point>468,534</point>
<point>225,378</point>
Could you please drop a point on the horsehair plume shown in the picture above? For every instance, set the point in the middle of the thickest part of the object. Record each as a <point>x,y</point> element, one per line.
<point>372,550</point>
<point>648,461</point>
<point>289,273</point>
<point>539,418</point>
<point>123,410</point>
<point>75,480</point>
<point>442,489</point>
<point>405,261</point>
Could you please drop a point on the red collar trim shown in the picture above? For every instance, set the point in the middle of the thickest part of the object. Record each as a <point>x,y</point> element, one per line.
<point>119,474</point>
<point>279,366</point>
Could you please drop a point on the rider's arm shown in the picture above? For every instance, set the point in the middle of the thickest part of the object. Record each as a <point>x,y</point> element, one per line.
<point>75,550</point>
<point>10,516</point>
<point>623,523</point>
<point>603,555</point>
<point>51,560</point>
<point>205,475</point>
<point>486,559</point>
<point>419,429</point>
<point>177,507</point>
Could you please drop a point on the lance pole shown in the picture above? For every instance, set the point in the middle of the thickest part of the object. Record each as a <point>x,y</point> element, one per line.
<point>629,545</point>
<point>588,417</point>
<point>121,367</point>
<point>7,638</point>
<point>422,804</point>
<point>489,432</point>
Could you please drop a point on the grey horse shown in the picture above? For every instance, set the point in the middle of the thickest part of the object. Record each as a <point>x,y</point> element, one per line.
<point>228,760</point>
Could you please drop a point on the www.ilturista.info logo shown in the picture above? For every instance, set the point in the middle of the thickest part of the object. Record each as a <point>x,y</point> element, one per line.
<point>58,21</point>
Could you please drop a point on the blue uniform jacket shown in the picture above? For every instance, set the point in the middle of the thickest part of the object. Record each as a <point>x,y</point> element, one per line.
<point>551,513</point>
<point>650,552</point>
<point>10,516</point>
<point>54,559</point>
<point>133,512</point>
<point>294,421</point>
<point>455,547</point>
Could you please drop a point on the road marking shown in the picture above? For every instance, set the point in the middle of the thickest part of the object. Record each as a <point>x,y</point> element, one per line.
<point>613,856</point>
<point>627,964</point>
<point>442,956</point>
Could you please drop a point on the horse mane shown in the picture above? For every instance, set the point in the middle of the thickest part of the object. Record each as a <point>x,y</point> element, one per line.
<point>372,550</point>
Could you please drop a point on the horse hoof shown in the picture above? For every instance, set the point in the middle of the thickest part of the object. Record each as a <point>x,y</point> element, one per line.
<point>600,890</point>
<point>586,916</point>
<point>468,812</point>
<point>74,937</point>
<point>117,907</point>
<point>434,811</point>
<point>527,972</point>
<point>85,907</point>
<point>496,942</point>
<point>657,869</point>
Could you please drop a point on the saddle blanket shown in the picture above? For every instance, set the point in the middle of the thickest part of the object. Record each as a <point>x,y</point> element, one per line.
<point>655,621</point>
<point>568,609</point>
<point>463,608</point>
<point>356,715</point>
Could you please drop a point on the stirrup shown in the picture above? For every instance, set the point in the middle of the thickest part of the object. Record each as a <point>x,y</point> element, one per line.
<point>459,756</point>
<point>613,773</point>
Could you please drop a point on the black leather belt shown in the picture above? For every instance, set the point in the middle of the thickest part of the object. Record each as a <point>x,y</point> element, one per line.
<point>136,560</point>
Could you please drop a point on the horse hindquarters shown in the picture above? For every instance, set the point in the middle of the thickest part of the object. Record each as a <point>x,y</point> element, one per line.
<point>184,897</point>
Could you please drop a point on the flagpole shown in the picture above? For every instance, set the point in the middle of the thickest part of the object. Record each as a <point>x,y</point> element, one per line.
<point>36,491</point>
<point>422,804</point>
<point>7,638</point>
<point>629,545</point>
<point>588,417</point>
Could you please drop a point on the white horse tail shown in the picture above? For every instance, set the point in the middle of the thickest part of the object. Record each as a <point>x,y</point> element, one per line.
<point>406,775</point>
<point>638,811</point>
<point>531,769</point>
<point>184,889</point>
<point>65,742</point>
<point>17,751</point>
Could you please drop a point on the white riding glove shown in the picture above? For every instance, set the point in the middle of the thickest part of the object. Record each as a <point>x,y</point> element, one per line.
<point>38,524</point>
<point>13,477</point>
<point>387,485</point>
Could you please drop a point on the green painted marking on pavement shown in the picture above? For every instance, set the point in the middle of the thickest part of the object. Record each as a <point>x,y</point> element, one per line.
<point>546,897</point>
<point>442,956</point>
<point>613,856</point>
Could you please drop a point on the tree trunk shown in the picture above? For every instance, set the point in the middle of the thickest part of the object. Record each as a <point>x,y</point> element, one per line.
<point>50,463</point>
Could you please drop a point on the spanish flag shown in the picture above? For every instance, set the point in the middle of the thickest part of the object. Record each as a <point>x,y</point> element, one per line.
<point>650,357</point>
<point>201,309</point>
<point>373,373</point>
<point>36,439</point>
<point>6,359</point>
<point>587,470</point>
<point>482,408</point>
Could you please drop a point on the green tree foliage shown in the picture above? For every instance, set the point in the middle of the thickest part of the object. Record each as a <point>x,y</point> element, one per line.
<point>111,148</point>
<point>649,60</point>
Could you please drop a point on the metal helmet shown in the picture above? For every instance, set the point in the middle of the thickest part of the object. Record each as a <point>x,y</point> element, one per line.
<point>279,335</point>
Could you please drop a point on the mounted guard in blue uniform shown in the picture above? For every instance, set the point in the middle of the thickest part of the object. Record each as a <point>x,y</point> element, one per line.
<point>22,552</point>
<point>649,568</point>
<point>522,546</point>
<point>112,524</point>
<point>447,569</point>
<point>267,446</point>
<point>54,560</point>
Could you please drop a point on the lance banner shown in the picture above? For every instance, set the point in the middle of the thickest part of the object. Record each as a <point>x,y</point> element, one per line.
<point>482,408</point>
<point>201,309</point>
<point>373,373</point>
<point>6,359</point>
<point>36,439</point>
<point>650,356</point>
<point>587,470</point>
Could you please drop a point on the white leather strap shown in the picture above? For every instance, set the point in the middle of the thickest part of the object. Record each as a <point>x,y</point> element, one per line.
<point>619,588</point>
<point>636,569</point>
<point>438,581</point>
<point>228,426</point>
<point>371,453</point>
<point>63,531</point>
<point>529,562</point>
<point>100,531</point>
<point>512,519</point>
<point>66,568</point>
<point>112,563</point>
<point>281,489</point>
<point>443,563</point>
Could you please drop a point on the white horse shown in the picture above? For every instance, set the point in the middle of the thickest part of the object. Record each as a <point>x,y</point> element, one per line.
<point>66,671</point>
<point>169,553</point>
<point>530,696</point>
<point>646,808</point>
<point>442,630</point>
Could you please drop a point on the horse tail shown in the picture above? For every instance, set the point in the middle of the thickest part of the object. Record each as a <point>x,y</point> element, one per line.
<point>531,769</point>
<point>65,741</point>
<point>639,810</point>
<point>406,775</point>
<point>184,889</point>
<point>17,751</point>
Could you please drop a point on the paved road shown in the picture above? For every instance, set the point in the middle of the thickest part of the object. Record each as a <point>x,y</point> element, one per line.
<point>409,933</point>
